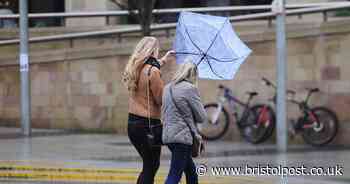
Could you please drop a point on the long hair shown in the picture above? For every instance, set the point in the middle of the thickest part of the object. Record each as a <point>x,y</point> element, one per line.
<point>148,46</point>
<point>186,71</point>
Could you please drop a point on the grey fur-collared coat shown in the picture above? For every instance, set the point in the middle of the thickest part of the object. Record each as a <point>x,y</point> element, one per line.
<point>187,98</point>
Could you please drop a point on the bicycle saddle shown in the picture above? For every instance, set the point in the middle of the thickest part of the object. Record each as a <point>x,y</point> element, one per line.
<point>252,93</point>
<point>221,86</point>
<point>313,90</point>
<point>292,92</point>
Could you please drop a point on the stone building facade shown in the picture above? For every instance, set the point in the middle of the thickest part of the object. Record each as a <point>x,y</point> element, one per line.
<point>50,6</point>
<point>77,85</point>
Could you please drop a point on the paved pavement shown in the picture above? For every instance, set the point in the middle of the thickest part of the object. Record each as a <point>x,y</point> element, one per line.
<point>53,156</point>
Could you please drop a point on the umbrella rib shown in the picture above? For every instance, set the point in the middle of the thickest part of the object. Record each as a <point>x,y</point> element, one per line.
<point>212,69</point>
<point>194,44</point>
<point>221,60</point>
<point>188,53</point>
<point>203,57</point>
<point>217,34</point>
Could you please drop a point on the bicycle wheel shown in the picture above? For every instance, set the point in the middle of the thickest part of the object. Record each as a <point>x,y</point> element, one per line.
<point>260,124</point>
<point>210,130</point>
<point>325,131</point>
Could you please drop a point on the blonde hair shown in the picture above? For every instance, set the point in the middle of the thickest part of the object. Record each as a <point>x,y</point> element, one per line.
<point>186,71</point>
<point>147,47</point>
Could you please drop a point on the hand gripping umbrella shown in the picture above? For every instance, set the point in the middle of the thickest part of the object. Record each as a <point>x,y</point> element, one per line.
<point>211,43</point>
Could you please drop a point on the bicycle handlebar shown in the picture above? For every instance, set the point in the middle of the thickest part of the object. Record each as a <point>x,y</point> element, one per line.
<point>313,90</point>
<point>292,92</point>
<point>268,83</point>
<point>310,91</point>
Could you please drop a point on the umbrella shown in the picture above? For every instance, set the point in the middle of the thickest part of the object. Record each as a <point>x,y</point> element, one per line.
<point>211,43</point>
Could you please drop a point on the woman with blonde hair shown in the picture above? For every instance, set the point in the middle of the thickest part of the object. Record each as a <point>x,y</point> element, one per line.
<point>181,110</point>
<point>142,77</point>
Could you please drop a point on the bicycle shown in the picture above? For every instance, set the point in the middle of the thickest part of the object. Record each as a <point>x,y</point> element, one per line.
<point>219,118</point>
<point>318,125</point>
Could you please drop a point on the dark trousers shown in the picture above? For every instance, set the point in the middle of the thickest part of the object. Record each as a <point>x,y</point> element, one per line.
<point>137,132</point>
<point>181,161</point>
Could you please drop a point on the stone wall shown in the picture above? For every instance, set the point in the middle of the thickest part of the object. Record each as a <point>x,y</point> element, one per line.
<point>77,85</point>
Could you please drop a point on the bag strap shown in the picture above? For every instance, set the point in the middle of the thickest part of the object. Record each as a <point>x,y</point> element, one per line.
<point>180,110</point>
<point>148,98</point>
<point>153,63</point>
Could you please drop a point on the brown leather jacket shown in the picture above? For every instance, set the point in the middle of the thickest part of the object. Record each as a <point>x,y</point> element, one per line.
<point>138,99</point>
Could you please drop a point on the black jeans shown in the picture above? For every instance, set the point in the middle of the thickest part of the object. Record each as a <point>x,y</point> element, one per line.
<point>181,161</point>
<point>137,132</point>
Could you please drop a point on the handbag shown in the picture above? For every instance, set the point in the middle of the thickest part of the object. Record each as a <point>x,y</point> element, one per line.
<point>154,136</point>
<point>197,144</point>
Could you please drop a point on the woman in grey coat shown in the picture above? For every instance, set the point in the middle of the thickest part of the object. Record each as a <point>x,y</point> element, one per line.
<point>176,133</point>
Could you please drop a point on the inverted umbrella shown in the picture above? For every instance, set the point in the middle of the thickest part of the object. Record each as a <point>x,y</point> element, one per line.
<point>211,43</point>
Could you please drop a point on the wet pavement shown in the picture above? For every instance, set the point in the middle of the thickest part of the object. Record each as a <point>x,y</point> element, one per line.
<point>108,151</point>
<point>15,133</point>
<point>297,181</point>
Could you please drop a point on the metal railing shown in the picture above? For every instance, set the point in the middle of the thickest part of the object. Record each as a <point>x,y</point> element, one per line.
<point>304,9</point>
<point>163,11</point>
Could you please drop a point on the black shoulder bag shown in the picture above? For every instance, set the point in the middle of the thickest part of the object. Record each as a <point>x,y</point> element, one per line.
<point>197,144</point>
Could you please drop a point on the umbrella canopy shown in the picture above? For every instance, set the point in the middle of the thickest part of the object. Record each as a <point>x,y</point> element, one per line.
<point>211,43</point>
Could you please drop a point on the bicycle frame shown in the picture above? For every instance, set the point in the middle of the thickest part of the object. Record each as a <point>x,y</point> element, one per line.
<point>307,113</point>
<point>303,106</point>
<point>263,117</point>
<point>232,101</point>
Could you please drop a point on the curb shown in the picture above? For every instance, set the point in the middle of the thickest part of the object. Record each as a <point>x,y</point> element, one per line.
<point>32,173</point>
<point>41,173</point>
<point>59,170</point>
<point>123,175</point>
<point>68,174</point>
<point>76,177</point>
